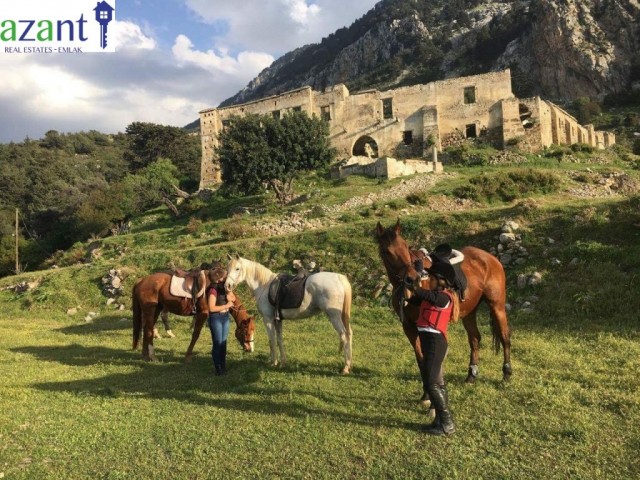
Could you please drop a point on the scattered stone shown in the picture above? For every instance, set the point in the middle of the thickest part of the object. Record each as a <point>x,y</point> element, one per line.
<point>550,241</point>
<point>555,262</point>
<point>507,238</point>
<point>505,258</point>
<point>574,261</point>
<point>507,307</point>
<point>521,281</point>
<point>535,279</point>
<point>111,301</point>
<point>526,305</point>
<point>72,311</point>
<point>520,261</point>
<point>510,227</point>
<point>88,319</point>
<point>92,314</point>
<point>500,248</point>
<point>121,307</point>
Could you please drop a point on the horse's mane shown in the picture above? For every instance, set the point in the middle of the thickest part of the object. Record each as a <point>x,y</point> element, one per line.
<point>262,273</point>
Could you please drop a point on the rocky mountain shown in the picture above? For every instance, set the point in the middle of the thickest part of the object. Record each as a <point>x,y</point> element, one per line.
<point>560,49</point>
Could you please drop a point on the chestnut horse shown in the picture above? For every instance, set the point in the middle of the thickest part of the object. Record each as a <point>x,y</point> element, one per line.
<point>486,281</point>
<point>151,296</point>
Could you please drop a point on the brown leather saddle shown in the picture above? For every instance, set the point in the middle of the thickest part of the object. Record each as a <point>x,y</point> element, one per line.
<point>287,291</point>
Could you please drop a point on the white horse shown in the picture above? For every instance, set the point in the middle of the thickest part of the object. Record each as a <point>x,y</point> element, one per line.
<point>325,291</point>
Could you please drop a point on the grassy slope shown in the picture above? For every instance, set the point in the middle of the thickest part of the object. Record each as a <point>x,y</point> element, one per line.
<point>77,403</point>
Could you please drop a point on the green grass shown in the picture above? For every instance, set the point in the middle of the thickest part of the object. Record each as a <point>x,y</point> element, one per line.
<point>76,402</point>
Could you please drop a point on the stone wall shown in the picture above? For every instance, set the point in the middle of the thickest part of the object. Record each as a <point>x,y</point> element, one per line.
<point>417,119</point>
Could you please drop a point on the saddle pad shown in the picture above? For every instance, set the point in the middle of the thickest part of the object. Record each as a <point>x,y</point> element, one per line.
<point>288,289</point>
<point>181,288</point>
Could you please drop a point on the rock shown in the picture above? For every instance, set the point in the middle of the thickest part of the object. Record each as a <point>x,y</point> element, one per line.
<point>555,262</point>
<point>526,305</point>
<point>507,238</point>
<point>88,319</point>
<point>505,259</point>
<point>526,310</point>
<point>521,282</point>
<point>110,301</point>
<point>121,307</point>
<point>510,227</point>
<point>521,261</point>
<point>574,261</point>
<point>534,299</point>
<point>550,241</point>
<point>92,314</point>
<point>500,248</point>
<point>72,311</point>
<point>508,307</point>
<point>535,279</point>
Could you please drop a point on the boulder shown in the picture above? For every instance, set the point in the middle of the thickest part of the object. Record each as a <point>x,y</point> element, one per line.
<point>535,279</point>
<point>507,238</point>
<point>521,281</point>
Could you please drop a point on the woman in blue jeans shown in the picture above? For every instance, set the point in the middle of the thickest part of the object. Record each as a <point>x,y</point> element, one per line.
<point>219,304</point>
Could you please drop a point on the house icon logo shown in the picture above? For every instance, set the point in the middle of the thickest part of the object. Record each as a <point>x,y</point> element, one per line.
<point>104,14</point>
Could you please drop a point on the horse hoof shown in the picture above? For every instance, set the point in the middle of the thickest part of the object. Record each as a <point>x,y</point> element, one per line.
<point>424,400</point>
<point>470,379</point>
<point>506,377</point>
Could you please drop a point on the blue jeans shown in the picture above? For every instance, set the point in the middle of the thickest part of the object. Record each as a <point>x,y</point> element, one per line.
<point>219,326</point>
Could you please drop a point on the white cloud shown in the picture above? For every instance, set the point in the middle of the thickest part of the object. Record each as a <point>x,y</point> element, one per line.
<point>277,26</point>
<point>129,35</point>
<point>246,64</point>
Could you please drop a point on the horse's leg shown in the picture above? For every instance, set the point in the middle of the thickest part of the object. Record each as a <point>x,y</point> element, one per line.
<point>501,335</point>
<point>165,321</point>
<point>271,333</point>
<point>335,316</point>
<point>473,334</point>
<point>411,333</point>
<point>198,321</point>
<point>149,316</point>
<point>283,356</point>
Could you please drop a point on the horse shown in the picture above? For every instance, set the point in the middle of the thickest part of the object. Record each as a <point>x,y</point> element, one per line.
<point>486,281</point>
<point>324,291</point>
<point>151,296</point>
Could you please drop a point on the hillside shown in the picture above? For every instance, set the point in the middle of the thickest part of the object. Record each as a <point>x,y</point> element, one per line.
<point>82,404</point>
<point>560,49</point>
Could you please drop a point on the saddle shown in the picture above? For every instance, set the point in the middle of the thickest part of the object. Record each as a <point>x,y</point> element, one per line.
<point>188,284</point>
<point>287,291</point>
<point>455,259</point>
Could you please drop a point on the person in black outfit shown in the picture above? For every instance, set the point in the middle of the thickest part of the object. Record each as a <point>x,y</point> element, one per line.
<point>436,311</point>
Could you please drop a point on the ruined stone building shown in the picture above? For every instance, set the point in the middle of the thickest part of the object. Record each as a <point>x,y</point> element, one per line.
<point>410,122</point>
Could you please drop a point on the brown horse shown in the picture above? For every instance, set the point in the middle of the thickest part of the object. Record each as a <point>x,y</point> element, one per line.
<point>486,281</point>
<point>151,296</point>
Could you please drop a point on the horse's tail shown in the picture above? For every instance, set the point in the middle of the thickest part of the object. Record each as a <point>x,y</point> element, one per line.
<point>346,304</point>
<point>137,318</point>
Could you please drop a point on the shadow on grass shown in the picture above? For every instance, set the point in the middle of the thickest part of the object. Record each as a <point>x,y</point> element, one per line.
<point>103,323</point>
<point>170,379</point>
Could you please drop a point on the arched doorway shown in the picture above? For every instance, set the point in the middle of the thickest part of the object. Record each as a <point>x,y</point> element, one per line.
<point>365,146</point>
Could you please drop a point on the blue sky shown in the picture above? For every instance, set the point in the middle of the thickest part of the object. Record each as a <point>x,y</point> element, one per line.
<point>173,58</point>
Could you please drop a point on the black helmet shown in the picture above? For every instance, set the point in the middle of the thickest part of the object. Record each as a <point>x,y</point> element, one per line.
<point>443,270</point>
<point>442,253</point>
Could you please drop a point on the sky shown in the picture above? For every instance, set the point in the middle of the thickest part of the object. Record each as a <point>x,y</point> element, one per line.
<point>173,58</point>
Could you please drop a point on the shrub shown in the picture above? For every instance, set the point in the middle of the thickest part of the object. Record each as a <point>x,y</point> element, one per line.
<point>466,156</point>
<point>582,147</point>
<point>417,198</point>
<point>195,225</point>
<point>236,230</point>
<point>636,146</point>
<point>508,186</point>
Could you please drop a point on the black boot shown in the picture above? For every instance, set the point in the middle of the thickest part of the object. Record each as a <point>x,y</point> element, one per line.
<point>444,421</point>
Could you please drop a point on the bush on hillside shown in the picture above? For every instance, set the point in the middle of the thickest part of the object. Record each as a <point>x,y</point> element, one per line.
<point>508,186</point>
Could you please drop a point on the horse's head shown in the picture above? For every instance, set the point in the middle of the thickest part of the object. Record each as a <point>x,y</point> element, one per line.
<point>396,255</point>
<point>245,333</point>
<point>235,272</point>
<point>217,272</point>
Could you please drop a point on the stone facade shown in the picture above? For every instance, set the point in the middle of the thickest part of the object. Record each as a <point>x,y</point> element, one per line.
<point>409,122</point>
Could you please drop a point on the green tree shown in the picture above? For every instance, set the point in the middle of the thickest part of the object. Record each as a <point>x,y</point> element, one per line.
<point>586,109</point>
<point>260,150</point>
<point>147,142</point>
